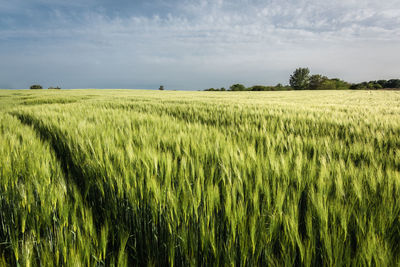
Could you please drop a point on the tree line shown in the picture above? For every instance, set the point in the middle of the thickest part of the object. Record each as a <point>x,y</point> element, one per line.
<point>302,80</point>
<point>38,86</point>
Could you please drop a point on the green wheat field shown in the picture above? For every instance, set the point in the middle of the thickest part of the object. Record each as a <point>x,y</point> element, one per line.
<point>156,178</point>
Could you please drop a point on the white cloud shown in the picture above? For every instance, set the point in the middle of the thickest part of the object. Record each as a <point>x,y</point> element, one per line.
<point>214,43</point>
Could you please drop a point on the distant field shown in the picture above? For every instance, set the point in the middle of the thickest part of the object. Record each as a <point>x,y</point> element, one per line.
<point>125,177</point>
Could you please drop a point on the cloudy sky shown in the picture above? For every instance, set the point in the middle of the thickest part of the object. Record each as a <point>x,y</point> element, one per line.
<point>194,44</point>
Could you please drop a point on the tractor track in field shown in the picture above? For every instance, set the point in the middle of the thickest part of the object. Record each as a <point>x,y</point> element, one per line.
<point>60,149</point>
<point>104,207</point>
<point>73,173</point>
<point>331,129</point>
<point>342,133</point>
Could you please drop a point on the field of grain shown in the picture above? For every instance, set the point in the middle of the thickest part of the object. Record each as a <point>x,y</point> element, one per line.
<point>126,177</point>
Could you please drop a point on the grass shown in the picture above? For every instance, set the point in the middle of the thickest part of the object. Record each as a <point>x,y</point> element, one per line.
<point>122,177</point>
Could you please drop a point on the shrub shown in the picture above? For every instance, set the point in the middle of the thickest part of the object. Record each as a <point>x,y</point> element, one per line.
<point>299,80</point>
<point>262,88</point>
<point>316,82</point>
<point>237,87</point>
<point>36,86</point>
<point>393,83</point>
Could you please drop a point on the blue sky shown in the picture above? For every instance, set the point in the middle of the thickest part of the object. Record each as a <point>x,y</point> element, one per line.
<point>192,44</point>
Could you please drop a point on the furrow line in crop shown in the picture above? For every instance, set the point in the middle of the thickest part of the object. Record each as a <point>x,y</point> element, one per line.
<point>60,148</point>
<point>38,208</point>
<point>92,198</point>
<point>348,137</point>
<point>127,226</point>
<point>266,122</point>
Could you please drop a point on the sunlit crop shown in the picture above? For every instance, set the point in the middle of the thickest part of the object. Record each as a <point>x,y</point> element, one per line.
<point>124,177</point>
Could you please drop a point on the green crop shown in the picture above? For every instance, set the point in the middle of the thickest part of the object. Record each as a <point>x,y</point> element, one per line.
<point>124,177</point>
